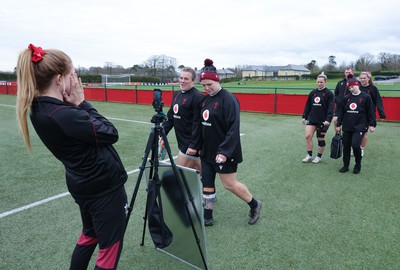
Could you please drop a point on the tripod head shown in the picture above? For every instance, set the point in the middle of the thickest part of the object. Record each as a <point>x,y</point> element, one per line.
<point>158,118</point>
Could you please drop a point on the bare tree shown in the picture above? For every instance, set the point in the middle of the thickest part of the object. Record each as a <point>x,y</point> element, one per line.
<point>389,61</point>
<point>108,67</point>
<point>364,62</point>
<point>161,66</point>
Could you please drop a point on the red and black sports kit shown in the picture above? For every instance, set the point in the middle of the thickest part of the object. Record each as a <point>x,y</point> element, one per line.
<point>82,139</point>
<point>319,108</point>
<point>373,91</point>
<point>220,129</point>
<point>184,116</point>
<point>356,115</point>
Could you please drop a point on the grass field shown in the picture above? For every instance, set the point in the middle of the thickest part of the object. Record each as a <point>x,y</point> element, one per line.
<point>313,216</point>
<point>391,89</point>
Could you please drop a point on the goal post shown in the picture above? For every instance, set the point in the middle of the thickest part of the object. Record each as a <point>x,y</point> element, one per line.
<point>120,79</point>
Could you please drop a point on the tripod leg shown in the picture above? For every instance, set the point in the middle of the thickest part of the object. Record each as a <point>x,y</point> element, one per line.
<point>150,144</point>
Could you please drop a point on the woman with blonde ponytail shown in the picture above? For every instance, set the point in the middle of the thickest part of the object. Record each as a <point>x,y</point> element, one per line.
<point>82,139</point>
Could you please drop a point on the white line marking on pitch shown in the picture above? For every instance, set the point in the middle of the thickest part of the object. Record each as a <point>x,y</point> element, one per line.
<point>110,118</point>
<point>6,105</point>
<point>33,204</point>
<point>55,197</point>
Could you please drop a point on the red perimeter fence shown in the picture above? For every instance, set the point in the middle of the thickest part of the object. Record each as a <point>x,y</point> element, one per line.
<point>274,103</point>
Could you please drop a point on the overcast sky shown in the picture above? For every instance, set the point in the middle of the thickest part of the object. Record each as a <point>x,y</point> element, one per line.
<point>230,32</point>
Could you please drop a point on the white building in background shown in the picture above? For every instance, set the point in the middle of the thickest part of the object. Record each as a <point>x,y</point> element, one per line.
<point>274,71</point>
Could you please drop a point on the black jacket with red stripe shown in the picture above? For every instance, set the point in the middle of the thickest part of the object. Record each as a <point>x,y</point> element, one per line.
<point>82,139</point>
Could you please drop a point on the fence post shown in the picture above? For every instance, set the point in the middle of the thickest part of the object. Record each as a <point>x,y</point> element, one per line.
<point>105,92</point>
<point>136,95</point>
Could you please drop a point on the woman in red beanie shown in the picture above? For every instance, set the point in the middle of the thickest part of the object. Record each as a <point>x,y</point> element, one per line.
<point>356,116</point>
<point>221,149</point>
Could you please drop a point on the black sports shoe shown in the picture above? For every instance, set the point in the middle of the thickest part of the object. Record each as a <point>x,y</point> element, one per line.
<point>208,222</point>
<point>254,214</point>
<point>357,169</point>
<point>344,169</point>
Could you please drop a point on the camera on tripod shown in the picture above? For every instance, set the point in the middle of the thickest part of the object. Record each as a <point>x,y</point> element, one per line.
<point>157,100</point>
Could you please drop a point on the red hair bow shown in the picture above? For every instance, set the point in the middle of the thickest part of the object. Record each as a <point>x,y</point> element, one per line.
<point>37,53</point>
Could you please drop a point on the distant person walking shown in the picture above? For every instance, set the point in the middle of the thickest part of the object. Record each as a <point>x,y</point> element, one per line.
<point>317,117</point>
<point>367,86</point>
<point>355,118</point>
<point>341,90</point>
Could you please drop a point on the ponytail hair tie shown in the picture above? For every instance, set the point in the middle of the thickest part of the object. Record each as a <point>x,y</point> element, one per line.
<point>37,53</point>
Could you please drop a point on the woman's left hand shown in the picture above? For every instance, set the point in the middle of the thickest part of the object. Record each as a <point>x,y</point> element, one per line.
<point>76,95</point>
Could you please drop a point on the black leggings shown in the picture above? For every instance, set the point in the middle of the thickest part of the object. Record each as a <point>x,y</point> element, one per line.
<point>352,139</point>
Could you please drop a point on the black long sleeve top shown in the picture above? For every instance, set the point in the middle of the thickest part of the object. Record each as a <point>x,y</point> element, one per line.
<point>319,106</point>
<point>373,91</point>
<point>221,127</point>
<point>184,117</point>
<point>357,113</point>
<point>82,139</point>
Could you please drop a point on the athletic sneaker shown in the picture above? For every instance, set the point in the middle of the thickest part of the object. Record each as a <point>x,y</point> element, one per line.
<point>317,159</point>
<point>307,159</point>
<point>254,214</point>
<point>362,151</point>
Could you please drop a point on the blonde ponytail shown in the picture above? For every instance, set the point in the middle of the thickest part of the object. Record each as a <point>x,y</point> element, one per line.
<point>35,70</point>
<point>26,92</point>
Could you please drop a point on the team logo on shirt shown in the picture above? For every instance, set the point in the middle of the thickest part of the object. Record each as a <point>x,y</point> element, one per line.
<point>353,106</point>
<point>206,114</point>
<point>317,99</point>
<point>176,108</point>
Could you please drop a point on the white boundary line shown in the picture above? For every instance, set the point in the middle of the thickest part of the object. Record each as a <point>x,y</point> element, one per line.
<point>6,105</point>
<point>111,118</point>
<point>127,120</point>
<point>31,205</point>
<point>55,197</point>
<point>14,211</point>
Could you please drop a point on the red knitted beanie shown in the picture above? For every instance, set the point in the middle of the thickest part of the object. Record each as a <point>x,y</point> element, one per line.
<point>351,80</point>
<point>209,71</point>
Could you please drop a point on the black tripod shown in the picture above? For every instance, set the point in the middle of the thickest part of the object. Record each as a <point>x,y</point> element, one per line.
<point>152,145</point>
